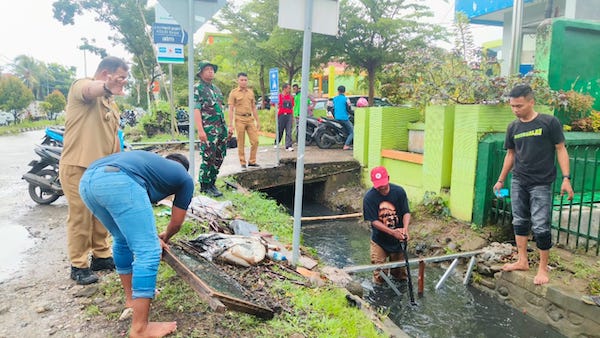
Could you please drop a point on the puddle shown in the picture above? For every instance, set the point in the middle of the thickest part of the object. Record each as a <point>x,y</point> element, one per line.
<point>12,251</point>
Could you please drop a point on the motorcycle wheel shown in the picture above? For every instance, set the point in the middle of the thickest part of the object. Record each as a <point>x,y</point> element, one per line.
<point>41,195</point>
<point>309,139</point>
<point>323,138</point>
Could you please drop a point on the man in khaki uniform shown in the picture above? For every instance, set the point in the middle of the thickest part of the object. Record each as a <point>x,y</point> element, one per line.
<point>242,107</point>
<point>91,126</point>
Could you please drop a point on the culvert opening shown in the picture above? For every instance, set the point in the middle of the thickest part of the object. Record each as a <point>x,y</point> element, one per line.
<point>313,194</point>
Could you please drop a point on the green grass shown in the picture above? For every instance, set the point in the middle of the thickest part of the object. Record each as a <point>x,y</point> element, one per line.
<point>315,312</point>
<point>318,312</point>
<point>41,124</point>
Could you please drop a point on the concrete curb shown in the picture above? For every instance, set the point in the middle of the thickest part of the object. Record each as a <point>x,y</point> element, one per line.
<point>558,307</point>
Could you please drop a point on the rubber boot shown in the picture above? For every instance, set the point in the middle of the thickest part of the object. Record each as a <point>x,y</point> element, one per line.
<point>214,190</point>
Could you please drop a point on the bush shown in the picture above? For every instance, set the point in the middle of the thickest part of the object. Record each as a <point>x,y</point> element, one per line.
<point>267,120</point>
<point>588,124</point>
<point>574,105</point>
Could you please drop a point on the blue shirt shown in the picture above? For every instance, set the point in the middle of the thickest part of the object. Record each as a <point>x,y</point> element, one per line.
<point>340,110</point>
<point>161,177</point>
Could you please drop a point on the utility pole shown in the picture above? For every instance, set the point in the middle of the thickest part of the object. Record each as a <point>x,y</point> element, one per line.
<point>517,37</point>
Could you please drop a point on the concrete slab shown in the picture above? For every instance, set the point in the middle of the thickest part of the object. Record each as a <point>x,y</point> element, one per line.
<point>267,157</point>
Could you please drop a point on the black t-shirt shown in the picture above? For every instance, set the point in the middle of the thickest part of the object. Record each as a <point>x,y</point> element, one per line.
<point>534,144</point>
<point>371,203</point>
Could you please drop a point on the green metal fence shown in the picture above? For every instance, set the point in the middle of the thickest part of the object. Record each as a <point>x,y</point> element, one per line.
<point>576,223</point>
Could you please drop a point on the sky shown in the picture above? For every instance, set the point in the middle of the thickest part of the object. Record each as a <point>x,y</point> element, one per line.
<point>28,27</point>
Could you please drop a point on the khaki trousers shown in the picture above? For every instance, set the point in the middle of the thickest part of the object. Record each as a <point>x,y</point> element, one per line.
<point>243,125</point>
<point>379,256</point>
<point>84,232</point>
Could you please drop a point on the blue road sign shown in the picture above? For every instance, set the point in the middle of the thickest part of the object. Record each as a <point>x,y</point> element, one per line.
<point>168,33</point>
<point>274,85</point>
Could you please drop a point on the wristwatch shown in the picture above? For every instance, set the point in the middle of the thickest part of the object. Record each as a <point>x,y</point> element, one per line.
<point>567,177</point>
<point>106,90</point>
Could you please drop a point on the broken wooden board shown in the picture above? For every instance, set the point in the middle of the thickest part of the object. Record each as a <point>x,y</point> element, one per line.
<point>190,267</point>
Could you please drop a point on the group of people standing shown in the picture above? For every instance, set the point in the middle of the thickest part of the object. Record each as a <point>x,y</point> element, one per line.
<point>109,191</point>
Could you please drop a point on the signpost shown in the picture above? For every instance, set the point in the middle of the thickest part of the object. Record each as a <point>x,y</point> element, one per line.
<point>169,53</point>
<point>168,33</point>
<point>274,85</point>
<point>274,99</point>
<point>191,15</point>
<point>307,15</point>
<point>169,37</point>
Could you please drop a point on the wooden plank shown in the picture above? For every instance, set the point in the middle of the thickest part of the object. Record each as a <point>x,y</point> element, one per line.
<point>330,217</point>
<point>402,156</point>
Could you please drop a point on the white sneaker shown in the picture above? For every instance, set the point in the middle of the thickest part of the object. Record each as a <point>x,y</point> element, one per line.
<point>289,149</point>
<point>275,147</point>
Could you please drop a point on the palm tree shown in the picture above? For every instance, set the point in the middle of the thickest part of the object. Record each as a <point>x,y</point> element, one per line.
<point>31,72</point>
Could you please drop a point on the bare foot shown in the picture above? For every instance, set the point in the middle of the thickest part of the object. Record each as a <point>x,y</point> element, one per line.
<point>516,266</point>
<point>155,330</point>
<point>542,277</point>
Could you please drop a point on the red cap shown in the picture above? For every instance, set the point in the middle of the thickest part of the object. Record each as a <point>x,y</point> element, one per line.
<point>379,177</point>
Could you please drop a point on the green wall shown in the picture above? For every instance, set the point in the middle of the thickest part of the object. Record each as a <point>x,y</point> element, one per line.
<point>437,164</point>
<point>406,174</point>
<point>470,124</point>
<point>568,53</point>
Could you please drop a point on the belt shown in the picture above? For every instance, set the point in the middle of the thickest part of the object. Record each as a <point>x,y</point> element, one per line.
<point>248,114</point>
<point>111,169</point>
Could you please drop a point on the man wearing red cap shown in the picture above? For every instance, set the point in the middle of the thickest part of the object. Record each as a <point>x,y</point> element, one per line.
<point>385,206</point>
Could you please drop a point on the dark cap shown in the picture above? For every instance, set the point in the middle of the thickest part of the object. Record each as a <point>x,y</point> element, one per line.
<point>202,64</point>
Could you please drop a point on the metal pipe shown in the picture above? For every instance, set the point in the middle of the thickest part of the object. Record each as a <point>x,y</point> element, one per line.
<point>390,283</point>
<point>308,13</point>
<point>517,37</point>
<point>191,75</point>
<point>414,261</point>
<point>447,273</point>
<point>469,270</point>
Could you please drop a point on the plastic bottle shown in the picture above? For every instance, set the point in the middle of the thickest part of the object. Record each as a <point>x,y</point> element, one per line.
<point>276,256</point>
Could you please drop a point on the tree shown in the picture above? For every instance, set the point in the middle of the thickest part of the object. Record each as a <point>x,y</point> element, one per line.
<point>14,95</point>
<point>374,33</point>
<point>56,103</point>
<point>31,72</point>
<point>59,78</point>
<point>258,41</point>
<point>130,22</point>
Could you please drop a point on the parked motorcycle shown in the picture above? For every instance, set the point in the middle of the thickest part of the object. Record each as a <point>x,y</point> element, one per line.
<point>44,184</point>
<point>53,136</point>
<point>330,132</point>
<point>312,123</point>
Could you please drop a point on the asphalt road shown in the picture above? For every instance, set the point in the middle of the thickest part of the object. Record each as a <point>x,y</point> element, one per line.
<point>19,215</point>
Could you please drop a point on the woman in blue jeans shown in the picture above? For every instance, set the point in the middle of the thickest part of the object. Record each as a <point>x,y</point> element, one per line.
<point>119,190</point>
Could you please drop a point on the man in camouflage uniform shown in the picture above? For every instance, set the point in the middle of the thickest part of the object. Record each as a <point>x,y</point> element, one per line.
<point>212,129</point>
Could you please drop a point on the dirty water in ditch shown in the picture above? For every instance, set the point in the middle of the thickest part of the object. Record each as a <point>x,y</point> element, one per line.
<point>452,311</point>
